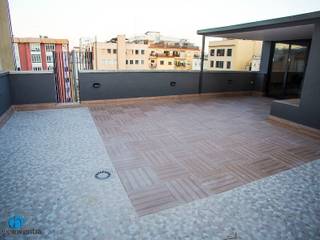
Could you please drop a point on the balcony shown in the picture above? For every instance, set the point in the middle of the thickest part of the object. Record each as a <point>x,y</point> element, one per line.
<point>182,164</point>
<point>173,55</point>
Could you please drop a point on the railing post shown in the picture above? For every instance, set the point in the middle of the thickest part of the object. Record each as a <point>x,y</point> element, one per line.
<point>202,62</point>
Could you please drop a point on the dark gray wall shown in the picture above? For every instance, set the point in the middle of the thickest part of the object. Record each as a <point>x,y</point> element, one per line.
<point>264,66</point>
<point>135,84</point>
<point>146,84</point>
<point>5,96</point>
<point>260,84</point>
<point>265,56</point>
<point>308,113</point>
<point>28,88</point>
<point>228,81</point>
<point>310,96</point>
<point>285,111</point>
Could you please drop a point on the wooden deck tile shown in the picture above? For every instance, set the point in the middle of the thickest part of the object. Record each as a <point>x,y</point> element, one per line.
<point>168,152</point>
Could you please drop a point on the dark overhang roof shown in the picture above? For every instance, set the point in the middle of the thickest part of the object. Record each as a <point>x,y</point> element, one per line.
<point>290,21</point>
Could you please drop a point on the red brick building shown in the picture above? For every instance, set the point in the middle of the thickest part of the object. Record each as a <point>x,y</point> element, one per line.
<point>43,54</point>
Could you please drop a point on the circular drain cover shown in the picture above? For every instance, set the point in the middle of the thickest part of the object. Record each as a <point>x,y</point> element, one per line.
<point>102,175</point>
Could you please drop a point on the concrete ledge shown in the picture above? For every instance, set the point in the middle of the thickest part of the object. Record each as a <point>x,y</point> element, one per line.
<point>165,71</point>
<point>293,102</point>
<point>42,106</point>
<point>6,116</point>
<point>3,73</point>
<point>312,132</point>
<point>32,72</point>
<point>170,97</point>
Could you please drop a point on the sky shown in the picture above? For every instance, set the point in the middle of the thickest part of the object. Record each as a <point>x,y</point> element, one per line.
<point>105,19</point>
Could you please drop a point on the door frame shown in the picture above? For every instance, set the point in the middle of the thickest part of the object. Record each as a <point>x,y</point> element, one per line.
<point>270,62</point>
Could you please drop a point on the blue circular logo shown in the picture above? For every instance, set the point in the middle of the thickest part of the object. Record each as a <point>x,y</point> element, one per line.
<point>16,222</point>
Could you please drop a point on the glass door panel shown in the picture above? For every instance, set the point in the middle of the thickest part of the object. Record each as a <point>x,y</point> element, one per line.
<point>279,70</point>
<point>287,70</point>
<point>297,63</point>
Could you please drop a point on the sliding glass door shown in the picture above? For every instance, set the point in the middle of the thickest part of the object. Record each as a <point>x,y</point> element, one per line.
<point>287,70</point>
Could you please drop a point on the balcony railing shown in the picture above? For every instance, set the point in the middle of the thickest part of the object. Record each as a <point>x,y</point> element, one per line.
<point>165,54</point>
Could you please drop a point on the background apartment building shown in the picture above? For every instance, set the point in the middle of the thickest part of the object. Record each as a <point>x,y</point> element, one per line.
<point>38,54</point>
<point>196,62</point>
<point>172,56</point>
<point>168,53</point>
<point>43,53</point>
<point>115,54</point>
<point>234,54</point>
<point>150,51</point>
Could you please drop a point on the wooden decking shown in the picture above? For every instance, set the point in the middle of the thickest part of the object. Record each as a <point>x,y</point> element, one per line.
<point>169,152</point>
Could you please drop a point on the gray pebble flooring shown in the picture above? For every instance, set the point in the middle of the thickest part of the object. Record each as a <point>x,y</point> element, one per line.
<point>48,160</point>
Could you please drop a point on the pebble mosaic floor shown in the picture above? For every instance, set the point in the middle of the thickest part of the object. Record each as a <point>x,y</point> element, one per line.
<point>48,160</point>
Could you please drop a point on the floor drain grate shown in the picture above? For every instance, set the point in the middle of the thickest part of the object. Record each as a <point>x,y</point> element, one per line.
<point>102,175</point>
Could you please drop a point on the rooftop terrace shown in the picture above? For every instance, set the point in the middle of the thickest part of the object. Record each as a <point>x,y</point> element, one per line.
<point>187,168</point>
<point>191,154</point>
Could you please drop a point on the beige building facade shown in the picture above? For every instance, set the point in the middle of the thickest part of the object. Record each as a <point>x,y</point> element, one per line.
<point>233,54</point>
<point>117,54</point>
<point>148,52</point>
<point>6,48</point>
<point>166,56</point>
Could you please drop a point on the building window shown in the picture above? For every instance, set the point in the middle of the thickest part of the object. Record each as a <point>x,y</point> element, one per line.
<point>131,61</point>
<point>142,52</point>
<point>175,54</point>
<point>50,68</point>
<point>212,52</point>
<point>127,62</point>
<point>219,64</point>
<point>136,52</point>
<point>36,58</point>
<point>136,62</point>
<point>114,51</point>
<point>142,61</point>
<point>228,65</point>
<point>37,68</point>
<point>229,52</point>
<point>169,63</point>
<point>49,59</point>
<point>50,47</point>
<point>211,64</point>
<point>109,50</point>
<point>220,52</point>
<point>161,62</point>
<point>35,47</point>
